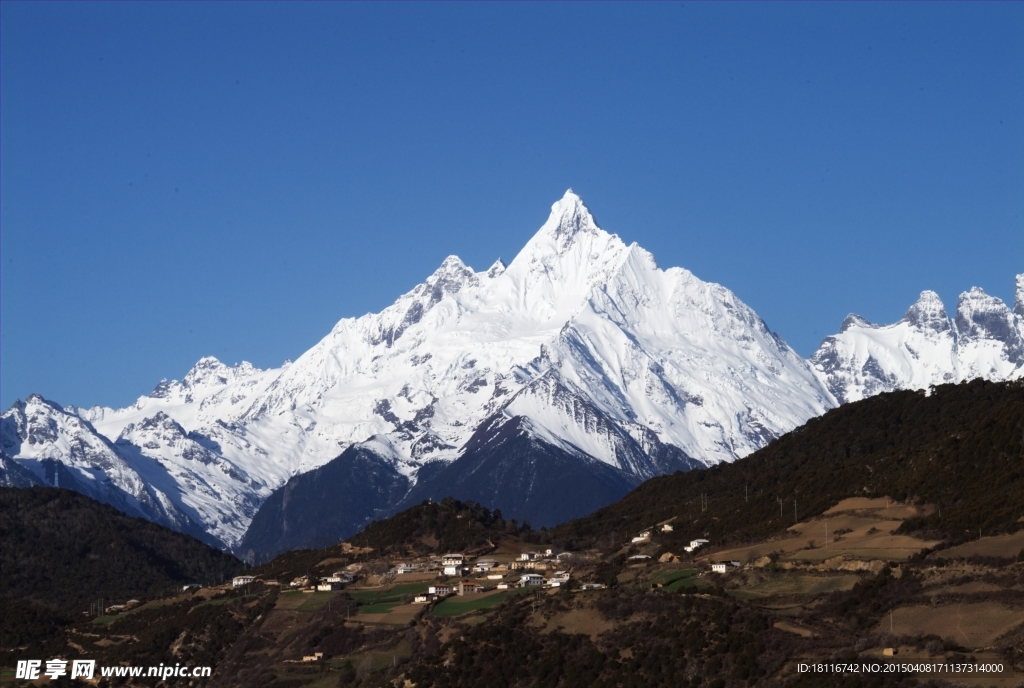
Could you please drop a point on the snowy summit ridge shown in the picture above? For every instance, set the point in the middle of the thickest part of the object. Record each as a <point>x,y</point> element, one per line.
<point>581,343</point>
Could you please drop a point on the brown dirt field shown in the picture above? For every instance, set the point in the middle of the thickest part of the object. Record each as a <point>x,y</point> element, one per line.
<point>279,621</point>
<point>973,625</point>
<point>882,506</point>
<point>994,546</point>
<point>288,601</point>
<point>586,621</point>
<point>399,616</point>
<point>792,628</point>
<point>855,503</point>
<point>966,588</point>
<point>801,585</point>
<point>870,538</point>
<point>415,577</point>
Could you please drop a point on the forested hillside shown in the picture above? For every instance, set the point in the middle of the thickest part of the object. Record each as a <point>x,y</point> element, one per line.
<point>960,447</point>
<point>62,550</point>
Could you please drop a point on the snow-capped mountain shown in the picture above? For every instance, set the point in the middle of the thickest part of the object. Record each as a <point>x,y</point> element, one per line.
<point>581,359</point>
<point>926,347</point>
<point>50,446</point>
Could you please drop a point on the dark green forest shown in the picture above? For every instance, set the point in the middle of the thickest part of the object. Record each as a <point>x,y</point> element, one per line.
<point>960,447</point>
<point>62,551</point>
<point>449,525</point>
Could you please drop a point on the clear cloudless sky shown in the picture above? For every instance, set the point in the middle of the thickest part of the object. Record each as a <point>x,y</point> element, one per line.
<point>230,179</point>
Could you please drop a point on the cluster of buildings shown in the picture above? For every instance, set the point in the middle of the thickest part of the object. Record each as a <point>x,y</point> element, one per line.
<point>531,569</point>
<point>645,536</point>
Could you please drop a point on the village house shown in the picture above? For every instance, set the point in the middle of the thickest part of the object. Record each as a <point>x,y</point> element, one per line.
<point>239,581</point>
<point>531,579</point>
<point>528,556</point>
<point>484,565</point>
<point>422,598</point>
<point>468,588</point>
<point>718,568</point>
<point>190,586</point>
<point>696,544</point>
<point>642,537</point>
<point>328,587</point>
<point>440,590</point>
<point>453,564</point>
<point>406,568</point>
<point>559,579</point>
<point>666,528</point>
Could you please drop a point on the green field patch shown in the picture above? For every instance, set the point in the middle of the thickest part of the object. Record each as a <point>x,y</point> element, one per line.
<point>369,662</point>
<point>690,580</point>
<point>383,601</point>
<point>455,606</point>
<point>315,600</point>
<point>787,585</point>
<point>392,594</point>
<point>380,608</point>
<point>667,578</point>
<point>104,620</point>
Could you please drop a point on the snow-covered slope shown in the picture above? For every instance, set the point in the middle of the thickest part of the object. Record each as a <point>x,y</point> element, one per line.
<point>581,344</point>
<point>60,449</point>
<point>652,349</point>
<point>926,347</point>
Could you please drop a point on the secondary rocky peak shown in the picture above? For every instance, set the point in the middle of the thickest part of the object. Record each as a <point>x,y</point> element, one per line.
<point>209,372</point>
<point>854,320</point>
<point>450,278</point>
<point>206,370</point>
<point>496,269</point>
<point>980,316</point>
<point>161,421</point>
<point>928,312</point>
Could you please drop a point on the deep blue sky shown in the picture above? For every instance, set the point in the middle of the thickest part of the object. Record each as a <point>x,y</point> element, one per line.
<point>231,179</point>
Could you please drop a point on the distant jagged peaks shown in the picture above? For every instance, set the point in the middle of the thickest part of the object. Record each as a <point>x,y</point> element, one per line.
<point>928,312</point>
<point>980,316</point>
<point>926,347</point>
